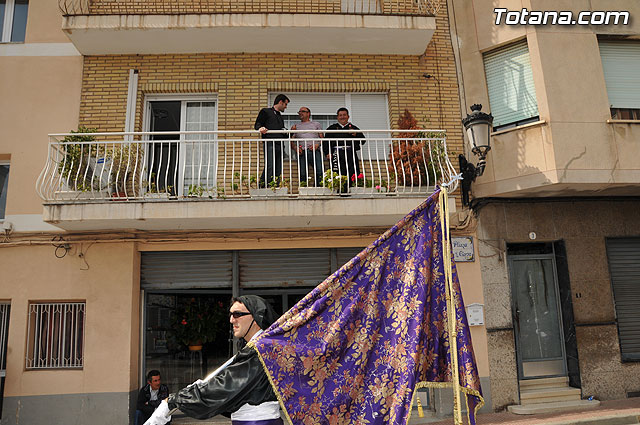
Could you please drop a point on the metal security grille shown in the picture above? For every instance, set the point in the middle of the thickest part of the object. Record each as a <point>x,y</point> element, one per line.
<point>55,335</point>
<point>5,309</point>
<point>624,266</point>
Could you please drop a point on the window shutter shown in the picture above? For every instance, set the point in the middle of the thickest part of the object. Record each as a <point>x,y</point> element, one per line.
<point>283,267</point>
<point>370,111</point>
<point>624,266</point>
<point>512,95</point>
<point>621,66</point>
<point>186,269</point>
<point>319,103</point>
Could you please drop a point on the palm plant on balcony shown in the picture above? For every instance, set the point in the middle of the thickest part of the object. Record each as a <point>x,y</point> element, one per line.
<point>78,161</point>
<point>415,162</point>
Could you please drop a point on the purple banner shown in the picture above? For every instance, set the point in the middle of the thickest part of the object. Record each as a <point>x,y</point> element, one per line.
<point>357,347</point>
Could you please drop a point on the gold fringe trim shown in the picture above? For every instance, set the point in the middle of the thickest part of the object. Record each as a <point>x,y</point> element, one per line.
<point>468,392</point>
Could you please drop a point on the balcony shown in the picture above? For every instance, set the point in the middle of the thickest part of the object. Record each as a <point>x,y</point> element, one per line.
<point>212,180</point>
<point>398,27</point>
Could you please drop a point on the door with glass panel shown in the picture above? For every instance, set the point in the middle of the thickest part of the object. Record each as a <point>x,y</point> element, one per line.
<point>536,316</point>
<point>184,164</point>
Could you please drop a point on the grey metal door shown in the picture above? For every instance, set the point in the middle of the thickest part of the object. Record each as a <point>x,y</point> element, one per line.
<point>536,316</point>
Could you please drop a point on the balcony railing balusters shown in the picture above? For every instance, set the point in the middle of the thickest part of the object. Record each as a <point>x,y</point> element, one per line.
<point>199,164</point>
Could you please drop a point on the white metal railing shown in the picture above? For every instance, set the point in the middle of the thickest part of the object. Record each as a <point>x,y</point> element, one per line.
<point>357,7</point>
<point>234,164</point>
<point>55,335</point>
<point>5,309</point>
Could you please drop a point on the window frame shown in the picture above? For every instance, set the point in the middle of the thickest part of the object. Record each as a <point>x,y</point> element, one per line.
<point>619,108</point>
<point>55,336</point>
<point>365,153</point>
<point>7,27</point>
<point>506,49</point>
<point>4,208</point>
<point>183,98</point>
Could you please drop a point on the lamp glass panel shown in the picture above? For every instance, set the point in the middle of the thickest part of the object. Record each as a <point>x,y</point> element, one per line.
<point>480,134</point>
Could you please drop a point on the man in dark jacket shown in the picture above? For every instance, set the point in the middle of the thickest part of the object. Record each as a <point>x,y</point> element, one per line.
<point>271,119</point>
<point>242,390</point>
<point>150,396</point>
<point>341,147</point>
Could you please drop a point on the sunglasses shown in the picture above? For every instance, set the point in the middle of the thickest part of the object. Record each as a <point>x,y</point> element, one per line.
<point>303,111</point>
<point>238,314</point>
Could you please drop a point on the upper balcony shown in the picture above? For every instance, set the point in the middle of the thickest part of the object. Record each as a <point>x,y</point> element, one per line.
<point>100,27</point>
<point>212,180</point>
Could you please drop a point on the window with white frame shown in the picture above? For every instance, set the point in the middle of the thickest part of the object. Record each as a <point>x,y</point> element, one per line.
<point>55,338</point>
<point>4,183</point>
<point>512,94</point>
<point>621,67</point>
<point>368,111</point>
<point>5,309</point>
<point>13,20</point>
<point>178,164</point>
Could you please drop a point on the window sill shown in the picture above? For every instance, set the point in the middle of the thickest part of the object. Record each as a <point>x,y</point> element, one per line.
<point>520,127</point>
<point>612,121</point>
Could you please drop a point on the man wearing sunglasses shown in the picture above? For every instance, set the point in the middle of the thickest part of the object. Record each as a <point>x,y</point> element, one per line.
<point>242,390</point>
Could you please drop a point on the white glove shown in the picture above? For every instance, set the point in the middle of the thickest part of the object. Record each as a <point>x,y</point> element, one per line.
<point>198,383</point>
<point>160,416</point>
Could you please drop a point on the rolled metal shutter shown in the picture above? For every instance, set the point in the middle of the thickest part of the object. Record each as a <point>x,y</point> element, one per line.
<point>186,270</point>
<point>624,267</point>
<point>283,267</point>
<point>346,254</point>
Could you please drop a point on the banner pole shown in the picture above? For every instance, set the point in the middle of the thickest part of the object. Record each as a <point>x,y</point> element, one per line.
<point>451,304</point>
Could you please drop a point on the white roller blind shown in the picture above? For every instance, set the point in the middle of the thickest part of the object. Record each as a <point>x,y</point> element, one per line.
<point>512,94</point>
<point>369,111</point>
<point>319,103</point>
<point>621,66</point>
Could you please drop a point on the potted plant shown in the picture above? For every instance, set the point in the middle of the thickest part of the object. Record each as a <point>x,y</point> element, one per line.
<point>358,185</point>
<point>415,163</point>
<point>83,166</point>
<point>335,182</point>
<point>277,187</point>
<point>200,191</point>
<point>196,322</point>
<point>152,190</point>
<point>309,188</point>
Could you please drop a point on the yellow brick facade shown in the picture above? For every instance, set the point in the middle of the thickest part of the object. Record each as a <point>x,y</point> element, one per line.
<point>242,82</point>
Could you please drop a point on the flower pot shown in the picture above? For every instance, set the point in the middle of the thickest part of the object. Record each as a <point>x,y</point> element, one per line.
<point>119,196</point>
<point>195,347</point>
<point>77,194</point>
<point>315,191</point>
<point>156,195</point>
<point>269,193</point>
<point>361,191</point>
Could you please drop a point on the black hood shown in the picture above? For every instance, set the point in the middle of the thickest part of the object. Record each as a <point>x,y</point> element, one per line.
<point>262,312</point>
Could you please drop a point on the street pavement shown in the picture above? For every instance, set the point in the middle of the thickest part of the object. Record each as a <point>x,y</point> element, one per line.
<point>614,412</point>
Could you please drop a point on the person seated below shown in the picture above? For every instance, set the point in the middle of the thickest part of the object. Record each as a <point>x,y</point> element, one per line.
<point>150,396</point>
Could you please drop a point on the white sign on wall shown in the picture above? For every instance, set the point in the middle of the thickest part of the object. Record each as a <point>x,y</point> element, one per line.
<point>475,314</point>
<point>462,248</point>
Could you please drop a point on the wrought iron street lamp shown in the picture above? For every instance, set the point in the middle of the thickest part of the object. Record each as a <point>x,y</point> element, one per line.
<point>478,126</point>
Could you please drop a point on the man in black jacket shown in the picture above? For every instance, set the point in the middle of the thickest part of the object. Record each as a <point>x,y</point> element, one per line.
<point>340,150</point>
<point>150,396</point>
<point>271,119</point>
<point>242,390</point>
